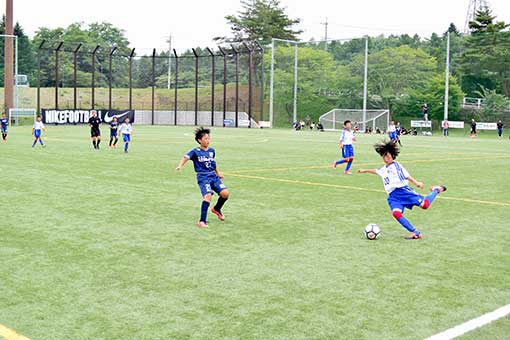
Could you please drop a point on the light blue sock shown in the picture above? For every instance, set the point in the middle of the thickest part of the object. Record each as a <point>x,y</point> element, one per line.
<point>348,166</point>
<point>432,196</point>
<point>406,224</point>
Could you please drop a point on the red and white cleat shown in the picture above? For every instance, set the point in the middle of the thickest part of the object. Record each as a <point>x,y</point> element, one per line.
<point>438,188</point>
<point>202,224</point>
<point>220,216</point>
<point>347,172</point>
<point>334,165</point>
<point>414,236</point>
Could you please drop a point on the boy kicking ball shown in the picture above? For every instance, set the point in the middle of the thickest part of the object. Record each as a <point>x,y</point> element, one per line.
<point>208,176</point>
<point>400,196</point>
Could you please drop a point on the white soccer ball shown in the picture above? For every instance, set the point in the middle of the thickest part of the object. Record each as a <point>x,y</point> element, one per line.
<point>372,230</point>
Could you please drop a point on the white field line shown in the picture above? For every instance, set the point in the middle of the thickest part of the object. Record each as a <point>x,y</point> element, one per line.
<point>470,325</point>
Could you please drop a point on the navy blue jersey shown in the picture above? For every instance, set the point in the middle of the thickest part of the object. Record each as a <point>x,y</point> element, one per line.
<point>203,160</point>
<point>398,129</point>
<point>5,122</point>
<point>114,126</point>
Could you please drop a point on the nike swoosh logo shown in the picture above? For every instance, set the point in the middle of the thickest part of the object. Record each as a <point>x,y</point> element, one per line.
<point>108,118</point>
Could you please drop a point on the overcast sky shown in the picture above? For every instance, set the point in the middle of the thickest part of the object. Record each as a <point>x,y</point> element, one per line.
<point>195,23</point>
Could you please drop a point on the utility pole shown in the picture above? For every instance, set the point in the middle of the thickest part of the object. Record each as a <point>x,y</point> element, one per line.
<point>9,57</point>
<point>169,41</point>
<point>325,34</point>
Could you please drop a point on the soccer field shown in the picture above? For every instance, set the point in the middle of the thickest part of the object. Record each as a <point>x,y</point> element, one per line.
<point>103,245</point>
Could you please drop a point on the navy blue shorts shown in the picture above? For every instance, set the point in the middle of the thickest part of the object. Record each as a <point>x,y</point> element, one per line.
<point>347,151</point>
<point>404,198</point>
<point>126,137</point>
<point>210,184</point>
<point>113,134</point>
<point>4,129</point>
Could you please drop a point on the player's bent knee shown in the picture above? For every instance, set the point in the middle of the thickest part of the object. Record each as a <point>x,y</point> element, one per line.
<point>225,193</point>
<point>397,214</point>
<point>208,197</point>
<point>425,204</point>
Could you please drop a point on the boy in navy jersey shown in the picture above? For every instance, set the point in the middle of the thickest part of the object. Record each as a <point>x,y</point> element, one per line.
<point>4,121</point>
<point>395,180</point>
<point>208,176</point>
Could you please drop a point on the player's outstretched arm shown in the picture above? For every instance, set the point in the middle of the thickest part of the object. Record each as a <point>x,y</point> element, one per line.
<point>181,163</point>
<point>415,182</point>
<point>369,171</point>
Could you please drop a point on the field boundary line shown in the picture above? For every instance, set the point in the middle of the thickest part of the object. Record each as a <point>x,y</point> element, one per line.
<point>473,324</point>
<point>361,164</point>
<point>10,334</point>
<point>349,187</point>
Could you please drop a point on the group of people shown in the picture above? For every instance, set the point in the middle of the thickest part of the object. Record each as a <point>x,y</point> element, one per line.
<point>302,125</point>
<point>126,129</point>
<point>394,176</point>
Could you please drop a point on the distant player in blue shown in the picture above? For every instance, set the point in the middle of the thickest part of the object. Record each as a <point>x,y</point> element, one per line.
<point>4,121</point>
<point>208,176</point>
<point>114,132</point>
<point>126,129</point>
<point>398,132</point>
<point>400,196</point>
<point>392,132</point>
<point>346,139</point>
<point>37,130</point>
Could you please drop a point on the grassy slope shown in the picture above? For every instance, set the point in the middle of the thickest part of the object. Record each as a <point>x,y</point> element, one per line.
<point>101,245</point>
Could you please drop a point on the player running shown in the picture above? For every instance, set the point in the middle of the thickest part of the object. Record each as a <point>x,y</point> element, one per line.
<point>114,132</point>
<point>4,121</point>
<point>36,131</point>
<point>346,139</point>
<point>400,196</point>
<point>126,130</point>
<point>398,132</point>
<point>95,132</point>
<point>208,176</point>
<point>392,132</point>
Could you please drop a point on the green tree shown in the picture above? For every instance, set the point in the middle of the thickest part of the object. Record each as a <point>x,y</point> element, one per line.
<point>486,59</point>
<point>394,72</point>
<point>26,58</point>
<point>495,104</point>
<point>261,20</point>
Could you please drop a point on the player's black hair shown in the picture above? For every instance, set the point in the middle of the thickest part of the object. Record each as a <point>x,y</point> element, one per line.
<point>347,121</point>
<point>38,116</point>
<point>200,132</point>
<point>384,147</point>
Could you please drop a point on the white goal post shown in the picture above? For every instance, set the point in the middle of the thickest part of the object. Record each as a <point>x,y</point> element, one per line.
<point>16,115</point>
<point>375,119</point>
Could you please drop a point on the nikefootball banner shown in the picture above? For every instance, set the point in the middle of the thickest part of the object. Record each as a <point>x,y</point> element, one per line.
<point>50,116</point>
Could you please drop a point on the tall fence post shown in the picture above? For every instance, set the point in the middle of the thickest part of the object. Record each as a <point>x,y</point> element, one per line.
<point>196,85</point>
<point>94,52</point>
<point>213,76</point>
<point>131,79</point>
<point>39,76</point>
<point>261,49</point>
<point>110,61</point>
<point>250,82</point>
<point>153,82</point>
<point>236,54</point>
<point>57,54</point>
<point>175,86</point>
<point>75,77</point>
<point>224,85</point>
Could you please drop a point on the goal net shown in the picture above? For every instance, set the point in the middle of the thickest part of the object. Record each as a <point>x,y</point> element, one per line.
<point>374,119</point>
<point>19,116</point>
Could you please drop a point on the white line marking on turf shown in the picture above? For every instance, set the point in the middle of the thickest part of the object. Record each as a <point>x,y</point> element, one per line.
<point>470,325</point>
<point>9,334</point>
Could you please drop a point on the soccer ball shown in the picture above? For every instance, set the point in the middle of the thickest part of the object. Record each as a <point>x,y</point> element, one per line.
<point>372,231</point>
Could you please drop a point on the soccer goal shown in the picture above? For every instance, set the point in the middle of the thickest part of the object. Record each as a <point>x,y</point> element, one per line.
<point>374,119</point>
<point>19,116</point>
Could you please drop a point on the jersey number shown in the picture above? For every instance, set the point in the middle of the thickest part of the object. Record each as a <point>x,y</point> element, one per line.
<point>386,181</point>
